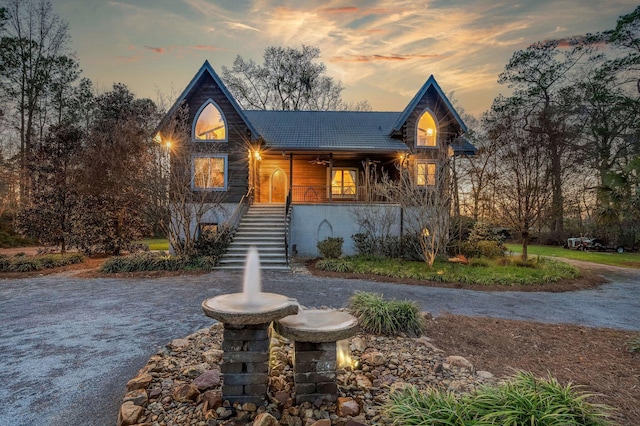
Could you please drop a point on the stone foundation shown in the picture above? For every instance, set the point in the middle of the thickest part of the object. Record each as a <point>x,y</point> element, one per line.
<point>314,369</point>
<point>245,363</point>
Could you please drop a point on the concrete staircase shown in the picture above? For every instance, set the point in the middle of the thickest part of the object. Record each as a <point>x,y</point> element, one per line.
<point>263,226</point>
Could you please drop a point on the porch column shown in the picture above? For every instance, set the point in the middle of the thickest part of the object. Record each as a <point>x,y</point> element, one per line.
<point>330,177</point>
<point>290,178</point>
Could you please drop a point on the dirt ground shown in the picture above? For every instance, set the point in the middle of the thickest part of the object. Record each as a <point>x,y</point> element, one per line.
<point>595,358</point>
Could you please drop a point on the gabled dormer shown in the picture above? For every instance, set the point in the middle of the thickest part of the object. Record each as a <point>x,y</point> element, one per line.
<point>430,122</point>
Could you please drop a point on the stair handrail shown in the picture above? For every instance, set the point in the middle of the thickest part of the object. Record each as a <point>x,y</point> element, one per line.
<point>241,209</point>
<point>287,225</point>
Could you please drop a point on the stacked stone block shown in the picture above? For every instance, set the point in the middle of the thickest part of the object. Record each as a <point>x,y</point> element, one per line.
<point>314,369</point>
<point>245,363</point>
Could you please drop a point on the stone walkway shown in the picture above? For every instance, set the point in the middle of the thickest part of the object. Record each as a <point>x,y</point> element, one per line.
<point>69,345</point>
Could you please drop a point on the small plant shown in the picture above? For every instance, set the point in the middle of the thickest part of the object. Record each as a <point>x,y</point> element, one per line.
<point>331,247</point>
<point>334,265</point>
<point>390,318</point>
<point>521,400</point>
<point>634,345</point>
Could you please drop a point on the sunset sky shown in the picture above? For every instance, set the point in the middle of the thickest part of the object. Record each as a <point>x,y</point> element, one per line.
<point>381,50</point>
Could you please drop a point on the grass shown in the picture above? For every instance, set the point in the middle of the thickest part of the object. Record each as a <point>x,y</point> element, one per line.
<point>156,243</point>
<point>502,271</point>
<point>629,260</point>
<point>391,318</point>
<point>521,400</point>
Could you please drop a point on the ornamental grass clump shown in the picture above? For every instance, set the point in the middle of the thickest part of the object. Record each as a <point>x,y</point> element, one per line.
<point>156,262</point>
<point>22,263</point>
<point>521,400</point>
<point>390,318</point>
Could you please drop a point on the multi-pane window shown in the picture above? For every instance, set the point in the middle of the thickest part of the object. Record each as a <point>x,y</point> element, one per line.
<point>344,182</point>
<point>209,173</point>
<point>427,130</point>
<point>210,124</point>
<point>426,173</point>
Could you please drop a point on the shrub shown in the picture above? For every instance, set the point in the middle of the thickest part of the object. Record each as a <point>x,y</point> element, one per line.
<point>364,244</point>
<point>391,318</point>
<point>22,263</point>
<point>483,263</point>
<point>331,247</point>
<point>490,249</point>
<point>156,262</point>
<point>334,265</point>
<point>213,244</point>
<point>521,400</point>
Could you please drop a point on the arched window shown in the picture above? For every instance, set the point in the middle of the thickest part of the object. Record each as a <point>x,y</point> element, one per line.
<point>427,131</point>
<point>210,124</point>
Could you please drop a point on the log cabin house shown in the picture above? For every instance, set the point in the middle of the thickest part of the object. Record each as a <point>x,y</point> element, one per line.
<point>312,165</point>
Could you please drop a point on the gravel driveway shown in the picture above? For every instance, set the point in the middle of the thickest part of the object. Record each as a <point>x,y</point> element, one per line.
<point>69,345</point>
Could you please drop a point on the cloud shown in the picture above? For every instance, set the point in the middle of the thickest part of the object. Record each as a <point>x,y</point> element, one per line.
<point>156,49</point>
<point>374,58</point>
<point>207,47</point>
<point>239,26</point>
<point>568,41</point>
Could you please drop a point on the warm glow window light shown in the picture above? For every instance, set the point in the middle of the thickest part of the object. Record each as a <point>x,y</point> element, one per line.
<point>210,124</point>
<point>426,174</point>
<point>427,132</point>
<point>208,173</point>
<point>343,182</point>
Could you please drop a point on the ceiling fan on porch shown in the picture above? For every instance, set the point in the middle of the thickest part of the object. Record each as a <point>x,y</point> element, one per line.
<point>319,162</point>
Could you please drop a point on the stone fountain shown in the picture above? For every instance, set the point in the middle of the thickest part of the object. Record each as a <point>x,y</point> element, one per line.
<point>246,318</point>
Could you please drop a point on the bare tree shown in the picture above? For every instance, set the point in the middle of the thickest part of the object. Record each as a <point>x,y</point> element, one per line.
<point>522,169</point>
<point>424,195</point>
<point>289,79</point>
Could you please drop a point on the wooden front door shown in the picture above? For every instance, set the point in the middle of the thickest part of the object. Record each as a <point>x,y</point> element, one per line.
<point>278,187</point>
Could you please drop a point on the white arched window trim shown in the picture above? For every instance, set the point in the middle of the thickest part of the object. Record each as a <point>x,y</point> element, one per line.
<point>197,116</point>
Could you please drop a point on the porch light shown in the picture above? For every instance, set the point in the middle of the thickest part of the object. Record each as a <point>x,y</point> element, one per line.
<point>257,156</point>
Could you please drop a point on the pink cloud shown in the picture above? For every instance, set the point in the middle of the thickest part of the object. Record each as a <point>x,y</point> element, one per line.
<point>355,10</point>
<point>375,58</point>
<point>156,49</point>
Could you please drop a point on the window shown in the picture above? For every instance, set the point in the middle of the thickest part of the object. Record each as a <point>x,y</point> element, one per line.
<point>210,125</point>
<point>426,173</point>
<point>344,183</point>
<point>210,173</point>
<point>427,130</point>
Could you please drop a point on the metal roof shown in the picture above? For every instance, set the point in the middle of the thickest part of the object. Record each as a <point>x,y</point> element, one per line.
<point>327,130</point>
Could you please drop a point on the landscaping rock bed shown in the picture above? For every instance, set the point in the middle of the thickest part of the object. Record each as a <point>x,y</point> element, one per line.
<point>181,384</point>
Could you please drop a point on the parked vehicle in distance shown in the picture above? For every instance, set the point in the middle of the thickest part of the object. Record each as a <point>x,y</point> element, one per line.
<point>591,244</point>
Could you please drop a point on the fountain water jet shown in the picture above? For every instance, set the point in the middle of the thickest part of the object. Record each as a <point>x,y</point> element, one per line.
<point>252,285</point>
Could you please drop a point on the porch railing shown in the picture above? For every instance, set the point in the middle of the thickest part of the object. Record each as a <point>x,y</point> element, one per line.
<point>312,194</point>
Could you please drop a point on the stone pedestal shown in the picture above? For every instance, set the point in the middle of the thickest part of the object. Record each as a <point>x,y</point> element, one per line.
<point>314,369</point>
<point>315,333</point>
<point>245,363</point>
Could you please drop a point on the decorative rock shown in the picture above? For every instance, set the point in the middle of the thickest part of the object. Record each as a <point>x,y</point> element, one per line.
<point>185,393</point>
<point>138,397</point>
<point>363,382</point>
<point>459,361</point>
<point>139,382</point>
<point>129,414</point>
<point>484,374</point>
<point>249,406</point>
<point>374,358</point>
<point>212,356</point>
<point>179,344</point>
<point>358,344</point>
<point>346,406</point>
<point>213,399</point>
<point>265,419</point>
<point>206,380</point>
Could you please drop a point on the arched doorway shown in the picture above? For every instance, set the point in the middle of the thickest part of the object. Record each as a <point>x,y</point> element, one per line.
<point>278,187</point>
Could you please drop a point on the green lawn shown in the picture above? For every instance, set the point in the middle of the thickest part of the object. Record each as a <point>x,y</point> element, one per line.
<point>156,243</point>
<point>631,260</point>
